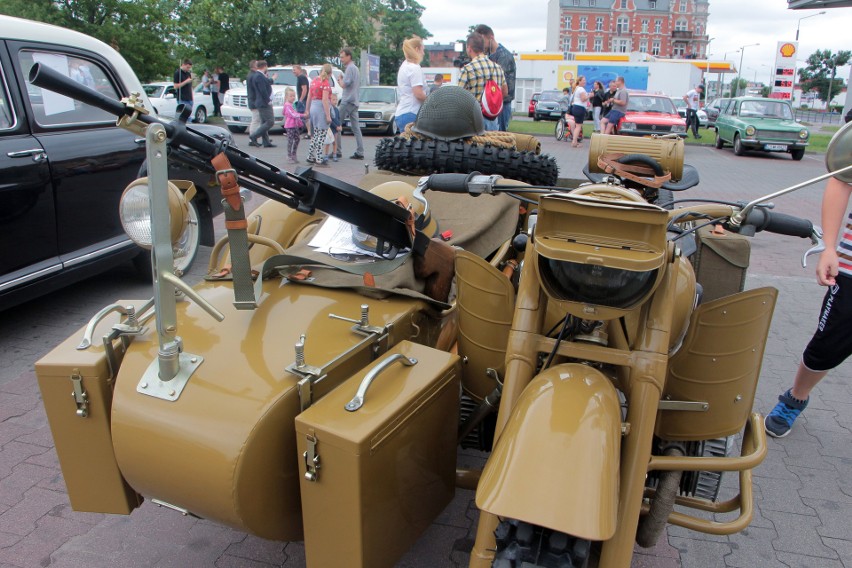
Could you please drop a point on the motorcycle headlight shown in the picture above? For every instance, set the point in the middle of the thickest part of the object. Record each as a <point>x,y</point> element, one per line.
<point>628,126</point>
<point>135,212</point>
<point>679,128</point>
<point>803,134</point>
<point>595,284</point>
<point>750,131</point>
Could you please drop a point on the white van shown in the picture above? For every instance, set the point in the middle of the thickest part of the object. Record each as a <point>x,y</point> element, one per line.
<point>235,108</point>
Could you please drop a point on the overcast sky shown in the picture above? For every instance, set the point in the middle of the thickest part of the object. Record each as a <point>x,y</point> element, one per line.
<point>520,25</point>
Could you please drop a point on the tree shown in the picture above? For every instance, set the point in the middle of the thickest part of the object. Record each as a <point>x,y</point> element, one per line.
<point>738,86</point>
<point>297,31</point>
<point>140,29</point>
<point>399,20</point>
<point>820,73</point>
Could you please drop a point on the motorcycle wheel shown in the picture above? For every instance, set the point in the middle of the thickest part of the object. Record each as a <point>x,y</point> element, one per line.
<point>522,545</point>
<point>559,131</point>
<point>423,157</point>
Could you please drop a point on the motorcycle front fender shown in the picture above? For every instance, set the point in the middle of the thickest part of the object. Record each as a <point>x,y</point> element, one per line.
<point>556,462</point>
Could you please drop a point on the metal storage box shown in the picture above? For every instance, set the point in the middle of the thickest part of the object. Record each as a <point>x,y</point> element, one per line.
<point>374,478</point>
<point>76,388</point>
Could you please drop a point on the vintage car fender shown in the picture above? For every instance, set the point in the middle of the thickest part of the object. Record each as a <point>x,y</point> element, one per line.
<point>556,463</point>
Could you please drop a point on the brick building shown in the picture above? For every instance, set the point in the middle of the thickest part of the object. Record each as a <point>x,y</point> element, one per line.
<point>441,55</point>
<point>663,28</point>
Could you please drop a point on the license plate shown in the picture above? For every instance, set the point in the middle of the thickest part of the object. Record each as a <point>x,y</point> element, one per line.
<point>362,124</point>
<point>776,147</point>
<point>244,118</point>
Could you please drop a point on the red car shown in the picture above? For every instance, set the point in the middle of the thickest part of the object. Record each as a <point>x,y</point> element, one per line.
<point>651,114</point>
<point>533,100</point>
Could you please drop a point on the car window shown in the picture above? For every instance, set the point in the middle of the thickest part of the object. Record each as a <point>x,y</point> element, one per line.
<point>7,113</point>
<point>52,109</point>
<point>153,91</point>
<point>766,109</point>
<point>283,77</point>
<point>368,95</point>
<point>660,105</point>
<point>550,96</point>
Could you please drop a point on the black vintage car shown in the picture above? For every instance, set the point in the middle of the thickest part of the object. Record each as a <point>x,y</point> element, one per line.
<point>64,166</point>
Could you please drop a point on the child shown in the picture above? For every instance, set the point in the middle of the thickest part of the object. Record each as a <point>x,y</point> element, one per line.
<point>330,150</point>
<point>292,124</point>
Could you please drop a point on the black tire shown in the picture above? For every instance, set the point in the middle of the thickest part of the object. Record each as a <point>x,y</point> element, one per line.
<point>719,142</point>
<point>237,129</point>
<point>521,544</point>
<point>738,145</point>
<point>200,115</point>
<point>393,129</point>
<point>559,129</point>
<point>536,118</point>
<point>423,157</point>
<point>798,153</point>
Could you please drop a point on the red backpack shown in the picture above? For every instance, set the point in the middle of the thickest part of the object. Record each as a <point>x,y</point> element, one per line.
<point>491,100</point>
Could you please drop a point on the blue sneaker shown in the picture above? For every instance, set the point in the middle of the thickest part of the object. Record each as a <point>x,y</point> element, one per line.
<point>779,422</point>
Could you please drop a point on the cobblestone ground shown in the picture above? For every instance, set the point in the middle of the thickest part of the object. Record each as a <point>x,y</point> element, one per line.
<point>803,490</point>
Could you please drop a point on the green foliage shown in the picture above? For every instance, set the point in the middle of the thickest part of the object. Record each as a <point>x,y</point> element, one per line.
<point>143,31</point>
<point>739,86</point>
<point>820,74</point>
<point>400,19</point>
<point>297,31</point>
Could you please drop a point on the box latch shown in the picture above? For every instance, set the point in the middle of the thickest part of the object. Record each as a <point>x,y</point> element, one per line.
<point>79,394</point>
<point>312,459</point>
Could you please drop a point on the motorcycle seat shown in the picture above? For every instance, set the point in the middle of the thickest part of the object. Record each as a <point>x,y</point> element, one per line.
<point>687,180</point>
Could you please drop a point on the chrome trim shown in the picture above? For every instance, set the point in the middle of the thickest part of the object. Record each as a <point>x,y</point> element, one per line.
<point>100,252</point>
<point>31,276</point>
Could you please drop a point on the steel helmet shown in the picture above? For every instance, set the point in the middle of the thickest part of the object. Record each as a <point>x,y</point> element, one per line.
<point>450,113</point>
<point>402,194</point>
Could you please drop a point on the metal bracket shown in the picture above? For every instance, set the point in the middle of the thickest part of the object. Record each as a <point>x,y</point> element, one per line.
<point>363,325</point>
<point>170,390</point>
<point>312,459</point>
<point>81,399</point>
<point>684,405</point>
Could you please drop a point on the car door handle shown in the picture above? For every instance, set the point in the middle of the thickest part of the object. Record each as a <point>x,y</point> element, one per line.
<point>38,154</point>
<point>139,141</point>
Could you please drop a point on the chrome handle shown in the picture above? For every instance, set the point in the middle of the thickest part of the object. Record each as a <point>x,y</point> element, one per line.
<point>38,154</point>
<point>358,401</point>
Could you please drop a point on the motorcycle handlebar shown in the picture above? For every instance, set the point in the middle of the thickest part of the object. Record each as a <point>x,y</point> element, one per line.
<point>761,219</point>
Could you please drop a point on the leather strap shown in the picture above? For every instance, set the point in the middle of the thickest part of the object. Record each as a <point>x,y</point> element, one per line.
<point>638,173</point>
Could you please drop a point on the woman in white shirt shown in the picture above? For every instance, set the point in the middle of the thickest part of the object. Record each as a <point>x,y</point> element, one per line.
<point>578,108</point>
<point>410,83</point>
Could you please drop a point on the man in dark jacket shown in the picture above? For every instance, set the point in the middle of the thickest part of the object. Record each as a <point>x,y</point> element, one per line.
<point>504,58</point>
<point>259,89</point>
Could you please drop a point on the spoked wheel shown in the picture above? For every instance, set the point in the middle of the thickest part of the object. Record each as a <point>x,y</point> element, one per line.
<point>560,129</point>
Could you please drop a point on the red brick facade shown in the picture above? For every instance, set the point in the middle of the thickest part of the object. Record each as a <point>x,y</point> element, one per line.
<point>664,28</point>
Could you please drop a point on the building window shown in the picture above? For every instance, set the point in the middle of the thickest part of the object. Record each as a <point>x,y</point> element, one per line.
<point>622,25</point>
<point>655,48</point>
<point>591,3</point>
<point>653,4</point>
<point>645,26</point>
<point>643,46</point>
<point>599,24</point>
<point>584,23</point>
<point>576,2</point>
<point>623,4</point>
<point>679,50</point>
<point>698,29</point>
<point>568,22</point>
<point>682,7</point>
<point>581,45</point>
<point>621,45</point>
<point>681,25</point>
<point>598,44</point>
<point>566,43</point>
<point>658,26</point>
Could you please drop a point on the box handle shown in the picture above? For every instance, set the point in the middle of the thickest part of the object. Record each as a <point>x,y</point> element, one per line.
<point>358,401</point>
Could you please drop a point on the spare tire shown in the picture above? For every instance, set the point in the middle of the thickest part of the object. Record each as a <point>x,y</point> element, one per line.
<point>422,157</point>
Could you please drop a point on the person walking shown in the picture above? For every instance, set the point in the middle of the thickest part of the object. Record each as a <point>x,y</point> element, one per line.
<point>692,99</point>
<point>831,343</point>
<point>504,58</point>
<point>260,102</point>
<point>350,100</point>
<point>579,103</point>
<point>224,86</point>
<point>183,86</point>
<point>319,103</point>
<point>480,70</point>
<point>302,87</point>
<point>597,104</point>
<point>214,92</point>
<point>292,124</point>
<point>410,83</point>
<point>255,117</point>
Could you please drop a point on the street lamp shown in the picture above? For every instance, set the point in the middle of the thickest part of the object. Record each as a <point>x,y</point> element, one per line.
<point>805,18</point>
<point>739,69</point>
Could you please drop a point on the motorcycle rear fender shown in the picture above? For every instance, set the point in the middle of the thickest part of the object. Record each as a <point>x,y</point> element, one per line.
<point>556,462</point>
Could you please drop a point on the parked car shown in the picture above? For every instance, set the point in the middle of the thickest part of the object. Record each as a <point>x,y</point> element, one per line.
<point>376,110</point>
<point>755,123</point>
<point>648,114</point>
<point>680,104</point>
<point>235,108</point>
<point>163,97</point>
<point>65,164</point>
<point>533,101</point>
<point>714,108</point>
<point>548,106</point>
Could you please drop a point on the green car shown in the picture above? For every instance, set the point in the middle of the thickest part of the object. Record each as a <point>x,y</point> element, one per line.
<point>755,123</point>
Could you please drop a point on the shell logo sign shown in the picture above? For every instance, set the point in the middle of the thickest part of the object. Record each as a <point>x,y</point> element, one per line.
<point>787,50</point>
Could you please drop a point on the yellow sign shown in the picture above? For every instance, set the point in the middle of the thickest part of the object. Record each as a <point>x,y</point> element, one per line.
<point>565,76</point>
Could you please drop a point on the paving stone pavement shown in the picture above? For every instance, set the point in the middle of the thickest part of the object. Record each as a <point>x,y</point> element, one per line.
<point>803,490</point>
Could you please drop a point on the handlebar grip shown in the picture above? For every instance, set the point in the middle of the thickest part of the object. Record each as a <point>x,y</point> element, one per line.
<point>450,183</point>
<point>43,76</point>
<point>764,220</point>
